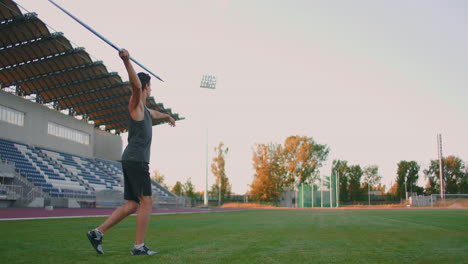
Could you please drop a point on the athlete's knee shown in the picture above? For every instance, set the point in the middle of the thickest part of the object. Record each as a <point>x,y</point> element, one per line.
<point>131,207</point>
<point>146,200</point>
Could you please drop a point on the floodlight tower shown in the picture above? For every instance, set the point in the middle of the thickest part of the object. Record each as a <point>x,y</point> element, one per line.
<point>207,82</point>
<point>441,167</point>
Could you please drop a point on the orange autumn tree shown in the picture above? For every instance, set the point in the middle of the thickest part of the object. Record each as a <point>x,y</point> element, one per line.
<point>266,185</point>
<point>280,167</point>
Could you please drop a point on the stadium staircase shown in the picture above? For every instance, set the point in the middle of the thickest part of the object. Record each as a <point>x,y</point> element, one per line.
<point>7,193</point>
<point>27,192</point>
<point>16,189</point>
<point>27,174</point>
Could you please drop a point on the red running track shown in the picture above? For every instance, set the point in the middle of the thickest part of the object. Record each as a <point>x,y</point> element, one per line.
<point>37,213</point>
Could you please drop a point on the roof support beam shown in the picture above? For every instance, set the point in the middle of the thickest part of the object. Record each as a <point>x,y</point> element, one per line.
<point>107,107</point>
<point>52,74</point>
<point>42,59</point>
<point>11,21</point>
<point>97,100</point>
<point>64,85</point>
<point>37,40</point>
<point>90,91</point>
<point>110,115</point>
<point>116,121</point>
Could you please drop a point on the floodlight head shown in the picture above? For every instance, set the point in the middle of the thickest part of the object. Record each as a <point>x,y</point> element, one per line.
<point>208,81</point>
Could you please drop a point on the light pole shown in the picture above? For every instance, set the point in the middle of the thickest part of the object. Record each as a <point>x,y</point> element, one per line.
<point>219,192</point>
<point>368,191</point>
<point>206,178</point>
<point>337,190</point>
<point>441,166</point>
<point>406,189</point>
<point>207,82</point>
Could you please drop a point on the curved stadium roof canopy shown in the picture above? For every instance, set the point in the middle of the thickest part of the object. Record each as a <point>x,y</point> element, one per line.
<point>36,61</point>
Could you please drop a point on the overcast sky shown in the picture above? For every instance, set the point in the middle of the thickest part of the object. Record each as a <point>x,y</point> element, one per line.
<point>376,81</point>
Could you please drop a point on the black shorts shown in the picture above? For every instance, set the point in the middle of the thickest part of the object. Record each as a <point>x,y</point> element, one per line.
<point>136,180</point>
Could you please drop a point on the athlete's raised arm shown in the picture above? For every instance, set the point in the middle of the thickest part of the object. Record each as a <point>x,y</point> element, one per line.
<point>135,84</point>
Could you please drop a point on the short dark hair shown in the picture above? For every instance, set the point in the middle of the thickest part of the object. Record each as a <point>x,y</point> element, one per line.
<point>144,79</point>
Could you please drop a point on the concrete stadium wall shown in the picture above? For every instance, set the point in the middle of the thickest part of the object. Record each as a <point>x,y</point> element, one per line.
<point>34,132</point>
<point>107,146</point>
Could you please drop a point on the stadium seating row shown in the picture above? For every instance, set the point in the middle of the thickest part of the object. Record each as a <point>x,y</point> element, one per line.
<point>65,175</point>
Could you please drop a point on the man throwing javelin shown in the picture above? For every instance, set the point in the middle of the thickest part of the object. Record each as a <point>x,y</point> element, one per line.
<point>135,160</point>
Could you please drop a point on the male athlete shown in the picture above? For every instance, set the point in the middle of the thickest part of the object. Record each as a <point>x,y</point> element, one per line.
<point>135,159</point>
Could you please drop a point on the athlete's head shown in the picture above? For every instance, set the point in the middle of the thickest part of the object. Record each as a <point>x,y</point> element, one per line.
<point>145,80</point>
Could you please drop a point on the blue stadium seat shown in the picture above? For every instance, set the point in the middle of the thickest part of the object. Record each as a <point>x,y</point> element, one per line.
<point>55,171</point>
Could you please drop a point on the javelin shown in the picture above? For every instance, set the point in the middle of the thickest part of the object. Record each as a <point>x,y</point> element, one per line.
<point>102,37</point>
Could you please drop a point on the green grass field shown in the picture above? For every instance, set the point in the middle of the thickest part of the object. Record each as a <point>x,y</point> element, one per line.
<point>259,236</point>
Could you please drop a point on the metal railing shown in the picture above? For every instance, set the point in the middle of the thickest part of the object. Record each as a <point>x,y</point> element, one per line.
<point>13,192</point>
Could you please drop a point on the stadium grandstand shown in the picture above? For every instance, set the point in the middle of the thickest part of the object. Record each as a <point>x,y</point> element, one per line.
<point>61,116</point>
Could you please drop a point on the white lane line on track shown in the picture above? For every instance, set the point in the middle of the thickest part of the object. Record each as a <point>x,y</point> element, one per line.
<point>87,216</point>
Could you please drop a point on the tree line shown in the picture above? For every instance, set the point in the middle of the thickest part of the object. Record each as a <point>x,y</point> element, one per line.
<point>281,167</point>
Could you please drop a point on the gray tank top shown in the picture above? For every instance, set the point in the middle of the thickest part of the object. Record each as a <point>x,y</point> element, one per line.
<point>139,139</point>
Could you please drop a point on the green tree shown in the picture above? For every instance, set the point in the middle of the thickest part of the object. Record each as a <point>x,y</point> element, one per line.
<point>464,188</point>
<point>355,174</point>
<point>407,177</point>
<point>454,175</point>
<point>430,186</point>
<point>371,178</point>
<point>178,188</point>
<point>302,158</point>
<point>341,170</point>
<point>189,189</point>
<point>158,177</point>
<point>218,170</point>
